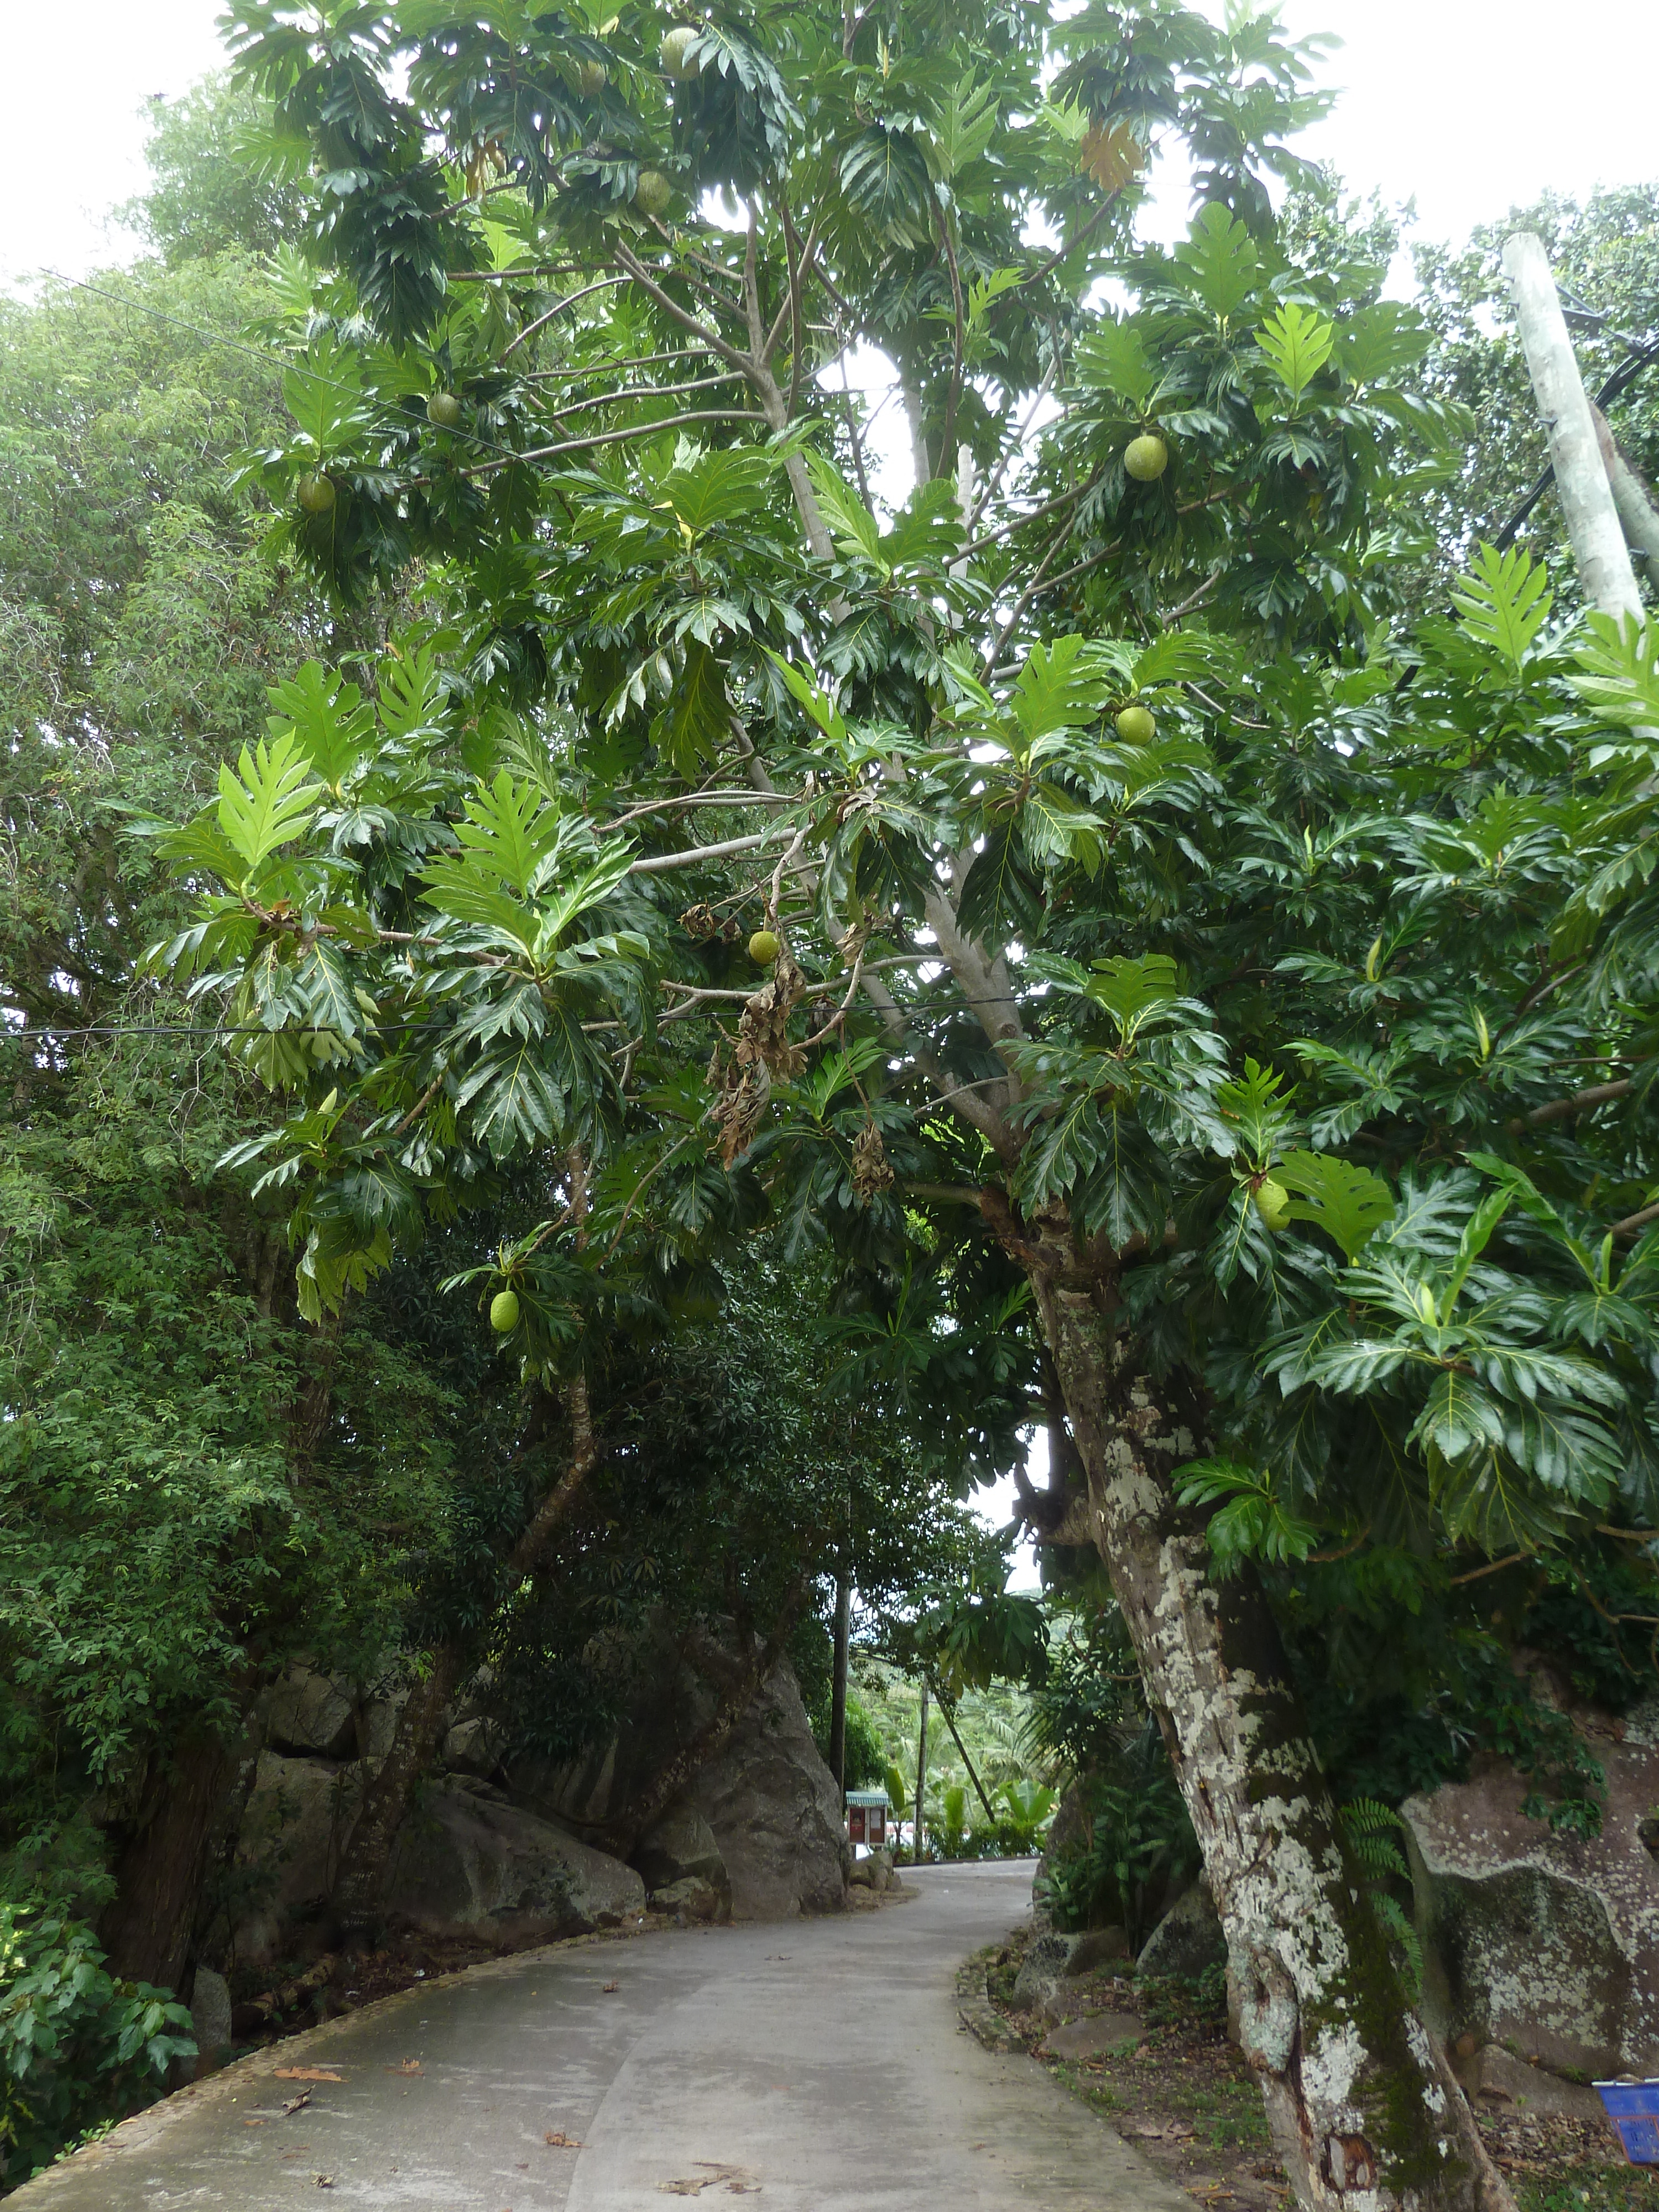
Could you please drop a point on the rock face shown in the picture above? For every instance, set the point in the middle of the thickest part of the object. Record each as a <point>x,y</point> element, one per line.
<point>312,1717</point>
<point>298,1815</point>
<point>772,1806</point>
<point>874,1871</point>
<point>761,1820</point>
<point>467,1863</point>
<point>1043,1968</point>
<point>1068,1833</point>
<point>470,1862</point>
<point>1547,1942</point>
<point>691,1899</point>
<point>1095,2037</point>
<point>681,1847</point>
<point>1187,1940</point>
<point>757,1833</point>
<point>473,1746</point>
<point>1501,2079</point>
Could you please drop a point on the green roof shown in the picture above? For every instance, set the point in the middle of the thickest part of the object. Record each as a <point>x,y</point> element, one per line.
<point>868,1797</point>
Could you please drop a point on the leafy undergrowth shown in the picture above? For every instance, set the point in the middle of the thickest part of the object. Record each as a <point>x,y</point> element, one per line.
<point>1179,2091</point>
<point>1556,2164</point>
<point>1182,2095</point>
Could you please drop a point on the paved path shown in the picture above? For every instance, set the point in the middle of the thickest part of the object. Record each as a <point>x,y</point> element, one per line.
<point>818,2062</point>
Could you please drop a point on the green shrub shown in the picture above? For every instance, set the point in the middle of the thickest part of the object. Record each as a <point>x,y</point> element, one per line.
<point>1140,1846</point>
<point>78,2049</point>
<point>866,1761</point>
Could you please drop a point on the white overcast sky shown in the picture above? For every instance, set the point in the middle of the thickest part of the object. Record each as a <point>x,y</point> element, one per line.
<point>1468,106</point>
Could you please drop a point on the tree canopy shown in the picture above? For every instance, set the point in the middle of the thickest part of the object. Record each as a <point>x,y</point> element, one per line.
<point>1097,926</point>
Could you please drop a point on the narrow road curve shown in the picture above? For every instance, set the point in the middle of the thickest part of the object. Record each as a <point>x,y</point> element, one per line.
<point>818,2063</point>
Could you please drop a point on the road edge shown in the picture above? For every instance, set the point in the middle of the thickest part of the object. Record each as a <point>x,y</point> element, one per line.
<point>974,2009</point>
<point>142,2129</point>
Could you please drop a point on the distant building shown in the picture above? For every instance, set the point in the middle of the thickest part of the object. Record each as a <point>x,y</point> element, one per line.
<point>866,1817</point>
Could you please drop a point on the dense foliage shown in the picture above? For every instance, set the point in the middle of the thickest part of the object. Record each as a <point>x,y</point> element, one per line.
<point>1118,949</point>
<point>78,2049</point>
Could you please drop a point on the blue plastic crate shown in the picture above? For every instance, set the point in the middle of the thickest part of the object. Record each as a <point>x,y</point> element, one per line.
<point>1633,2108</point>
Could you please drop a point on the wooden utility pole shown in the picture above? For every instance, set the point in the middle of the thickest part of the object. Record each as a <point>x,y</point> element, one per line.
<point>1605,574</point>
<point>838,1683</point>
<point>921,1778</point>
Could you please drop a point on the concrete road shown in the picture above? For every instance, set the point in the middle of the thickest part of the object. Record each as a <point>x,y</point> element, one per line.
<point>818,2062</point>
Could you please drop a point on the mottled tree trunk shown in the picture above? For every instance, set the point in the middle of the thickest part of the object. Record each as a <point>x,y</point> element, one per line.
<point>1363,2110</point>
<point>147,1929</point>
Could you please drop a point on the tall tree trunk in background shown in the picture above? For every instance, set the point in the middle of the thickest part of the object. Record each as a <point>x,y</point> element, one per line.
<point>1362,2106</point>
<point>146,1929</point>
<point>921,1779</point>
<point>1587,507</point>
<point>367,1856</point>
<point>838,1682</point>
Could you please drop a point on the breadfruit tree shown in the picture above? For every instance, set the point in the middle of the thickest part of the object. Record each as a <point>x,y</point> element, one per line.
<point>1208,1004</point>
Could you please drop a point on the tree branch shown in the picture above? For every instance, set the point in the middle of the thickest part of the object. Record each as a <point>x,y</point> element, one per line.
<point>953,393</point>
<point>634,268</point>
<point>606,438</point>
<point>1560,1109</point>
<point>570,300</point>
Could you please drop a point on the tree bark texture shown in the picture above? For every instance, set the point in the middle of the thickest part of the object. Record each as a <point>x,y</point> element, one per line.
<point>147,1930</point>
<point>1364,2112</point>
<point>1632,499</point>
<point>1605,572</point>
<point>838,1682</point>
<point>922,1777</point>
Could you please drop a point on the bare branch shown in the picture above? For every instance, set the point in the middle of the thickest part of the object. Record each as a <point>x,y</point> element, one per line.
<point>947,437</point>
<point>642,391</point>
<point>688,798</point>
<point>570,300</point>
<point>659,863</point>
<point>627,260</point>
<point>606,438</point>
<point>1015,444</point>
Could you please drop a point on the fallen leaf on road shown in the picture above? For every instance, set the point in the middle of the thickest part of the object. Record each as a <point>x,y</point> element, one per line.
<point>305,2074</point>
<point>560,2141</point>
<point>325,2181</point>
<point>611,1987</point>
<point>298,2104</point>
<point>738,2181</point>
<point>409,2066</point>
<point>253,2123</point>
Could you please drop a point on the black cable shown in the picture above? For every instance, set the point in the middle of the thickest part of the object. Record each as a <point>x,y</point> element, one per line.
<point>208,1037</point>
<point>1619,382</point>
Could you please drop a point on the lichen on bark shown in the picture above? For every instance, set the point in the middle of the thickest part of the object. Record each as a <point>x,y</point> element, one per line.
<point>1364,2112</point>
